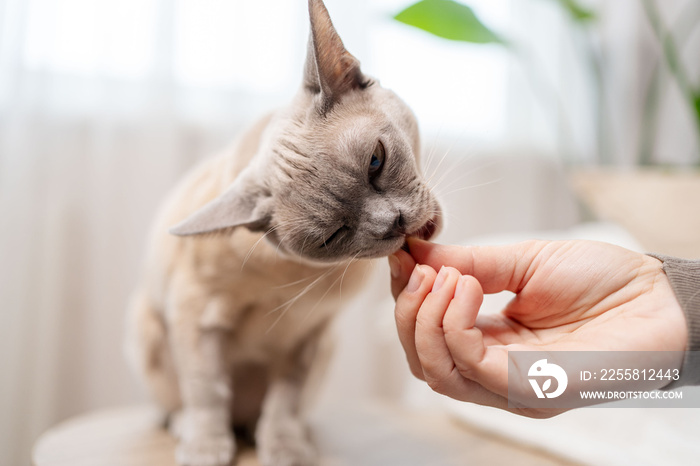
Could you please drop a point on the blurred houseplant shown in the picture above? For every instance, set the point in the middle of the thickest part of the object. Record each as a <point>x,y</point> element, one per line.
<point>451,20</point>
<point>656,202</point>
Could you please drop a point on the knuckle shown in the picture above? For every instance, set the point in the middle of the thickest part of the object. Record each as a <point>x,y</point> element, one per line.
<point>417,372</point>
<point>423,320</point>
<point>466,371</point>
<point>405,321</point>
<point>437,380</point>
<point>436,385</point>
<point>441,385</point>
<point>407,305</point>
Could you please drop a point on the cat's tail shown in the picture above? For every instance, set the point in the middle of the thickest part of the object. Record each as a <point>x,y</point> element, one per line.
<point>148,353</point>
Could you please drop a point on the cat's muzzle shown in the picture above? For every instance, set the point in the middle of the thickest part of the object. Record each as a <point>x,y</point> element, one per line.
<point>429,229</point>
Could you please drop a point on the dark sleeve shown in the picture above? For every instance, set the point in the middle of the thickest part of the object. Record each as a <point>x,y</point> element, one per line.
<point>684,276</point>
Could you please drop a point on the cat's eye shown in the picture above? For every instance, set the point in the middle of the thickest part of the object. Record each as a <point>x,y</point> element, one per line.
<point>376,162</point>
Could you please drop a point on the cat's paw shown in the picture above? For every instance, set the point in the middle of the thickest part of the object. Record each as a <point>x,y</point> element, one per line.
<point>285,444</point>
<point>288,454</point>
<point>216,450</point>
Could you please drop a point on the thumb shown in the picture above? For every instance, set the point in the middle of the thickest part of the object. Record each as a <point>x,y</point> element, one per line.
<point>401,265</point>
<point>497,268</point>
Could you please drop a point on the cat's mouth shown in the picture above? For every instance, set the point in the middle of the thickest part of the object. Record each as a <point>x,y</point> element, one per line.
<point>429,229</point>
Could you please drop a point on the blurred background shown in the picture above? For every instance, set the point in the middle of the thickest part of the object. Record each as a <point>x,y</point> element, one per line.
<point>540,118</point>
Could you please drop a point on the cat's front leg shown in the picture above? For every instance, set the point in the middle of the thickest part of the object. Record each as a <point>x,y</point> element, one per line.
<point>204,376</point>
<point>281,436</point>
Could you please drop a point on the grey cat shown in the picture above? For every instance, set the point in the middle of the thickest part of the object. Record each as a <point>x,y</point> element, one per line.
<point>227,321</point>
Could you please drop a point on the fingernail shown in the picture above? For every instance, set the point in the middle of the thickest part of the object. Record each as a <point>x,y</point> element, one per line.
<point>440,279</point>
<point>416,279</point>
<point>394,266</point>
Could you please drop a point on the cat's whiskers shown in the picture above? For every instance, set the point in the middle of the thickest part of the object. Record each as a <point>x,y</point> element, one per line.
<point>323,296</point>
<point>291,228</point>
<point>342,277</point>
<point>435,170</point>
<point>468,149</point>
<point>449,149</point>
<point>438,186</point>
<point>297,225</point>
<point>454,165</point>
<point>457,137</point>
<point>330,287</point>
<point>295,282</point>
<point>252,248</point>
<point>303,244</point>
<point>465,188</point>
<point>269,231</point>
<point>433,148</point>
<point>288,304</point>
<point>442,191</point>
<point>306,289</point>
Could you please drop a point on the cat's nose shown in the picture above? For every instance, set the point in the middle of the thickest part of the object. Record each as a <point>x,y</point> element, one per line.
<point>397,228</point>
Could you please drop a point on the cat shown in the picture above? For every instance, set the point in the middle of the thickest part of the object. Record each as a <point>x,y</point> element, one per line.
<point>269,236</point>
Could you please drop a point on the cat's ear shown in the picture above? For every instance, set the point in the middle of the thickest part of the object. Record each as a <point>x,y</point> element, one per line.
<point>330,70</point>
<point>243,204</point>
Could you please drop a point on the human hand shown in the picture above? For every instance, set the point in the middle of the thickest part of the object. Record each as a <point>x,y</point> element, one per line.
<point>569,296</point>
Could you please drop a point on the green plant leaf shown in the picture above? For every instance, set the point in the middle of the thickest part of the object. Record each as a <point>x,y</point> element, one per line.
<point>697,105</point>
<point>448,19</point>
<point>576,11</point>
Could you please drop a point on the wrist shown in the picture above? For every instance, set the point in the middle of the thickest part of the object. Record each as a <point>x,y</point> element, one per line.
<point>683,277</point>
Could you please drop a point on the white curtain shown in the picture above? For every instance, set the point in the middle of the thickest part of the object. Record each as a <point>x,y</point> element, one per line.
<point>104,104</point>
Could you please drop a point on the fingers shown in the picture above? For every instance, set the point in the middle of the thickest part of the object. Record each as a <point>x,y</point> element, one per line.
<point>436,314</point>
<point>433,353</point>
<point>407,305</point>
<point>474,360</point>
<point>456,299</point>
<point>401,265</point>
<point>497,268</point>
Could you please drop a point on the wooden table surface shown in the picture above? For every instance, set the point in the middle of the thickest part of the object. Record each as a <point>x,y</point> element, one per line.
<point>114,437</point>
<point>375,435</point>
